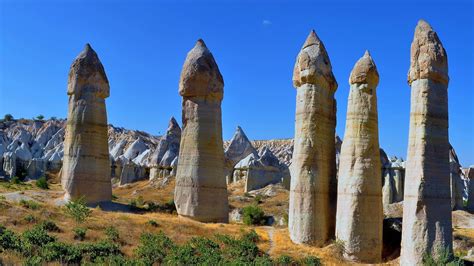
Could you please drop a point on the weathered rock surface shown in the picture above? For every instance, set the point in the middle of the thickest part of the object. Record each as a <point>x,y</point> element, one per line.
<point>238,148</point>
<point>313,169</point>
<point>166,152</point>
<point>201,190</point>
<point>359,217</point>
<point>427,222</point>
<point>469,174</point>
<point>86,171</point>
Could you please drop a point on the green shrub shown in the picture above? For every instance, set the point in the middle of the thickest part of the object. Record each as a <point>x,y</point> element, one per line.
<point>30,204</point>
<point>311,261</point>
<point>40,117</point>
<point>153,223</point>
<point>9,240</point>
<point>42,183</point>
<point>253,215</point>
<point>37,236</point>
<point>49,226</point>
<point>95,252</point>
<point>251,236</point>
<point>445,257</point>
<point>112,233</point>
<point>258,199</point>
<point>137,203</point>
<point>30,218</point>
<point>197,251</point>
<point>16,180</point>
<point>285,260</point>
<point>153,248</point>
<point>238,251</point>
<point>62,252</point>
<point>80,233</point>
<point>78,210</point>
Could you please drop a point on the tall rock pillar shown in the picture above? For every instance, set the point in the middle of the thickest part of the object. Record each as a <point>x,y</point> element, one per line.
<point>201,190</point>
<point>311,218</point>
<point>86,165</point>
<point>427,201</point>
<point>359,217</point>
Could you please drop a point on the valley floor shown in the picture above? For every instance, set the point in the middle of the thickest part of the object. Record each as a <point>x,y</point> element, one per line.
<point>131,222</point>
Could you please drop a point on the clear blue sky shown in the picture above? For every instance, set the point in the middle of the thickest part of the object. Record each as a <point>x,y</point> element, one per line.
<point>142,46</point>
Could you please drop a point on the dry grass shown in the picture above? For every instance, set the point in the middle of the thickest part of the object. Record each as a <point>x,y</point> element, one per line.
<point>131,225</point>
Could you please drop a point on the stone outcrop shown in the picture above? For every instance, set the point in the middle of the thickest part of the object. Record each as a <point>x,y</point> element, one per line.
<point>260,170</point>
<point>201,190</point>
<point>393,176</point>
<point>238,148</point>
<point>313,169</point>
<point>458,186</point>
<point>359,217</point>
<point>166,152</point>
<point>427,222</point>
<point>86,165</point>
<point>469,174</point>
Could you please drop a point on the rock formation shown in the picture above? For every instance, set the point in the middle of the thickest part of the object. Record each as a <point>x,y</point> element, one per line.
<point>239,147</point>
<point>359,217</point>
<point>427,222</point>
<point>201,190</point>
<point>313,169</point>
<point>469,174</point>
<point>86,167</point>
<point>166,151</point>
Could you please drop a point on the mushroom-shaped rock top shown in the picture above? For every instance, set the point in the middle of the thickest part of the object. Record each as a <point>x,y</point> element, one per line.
<point>87,73</point>
<point>200,75</point>
<point>428,56</point>
<point>313,65</point>
<point>365,71</point>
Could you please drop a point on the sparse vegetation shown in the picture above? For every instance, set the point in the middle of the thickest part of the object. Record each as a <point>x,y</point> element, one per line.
<point>49,226</point>
<point>153,223</point>
<point>311,261</point>
<point>253,215</point>
<point>31,218</point>
<point>285,260</point>
<point>112,234</point>
<point>444,257</point>
<point>30,204</point>
<point>77,210</point>
<point>339,247</point>
<point>16,180</point>
<point>80,233</point>
<point>42,183</point>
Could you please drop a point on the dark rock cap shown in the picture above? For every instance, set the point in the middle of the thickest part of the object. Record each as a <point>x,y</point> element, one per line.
<point>87,72</point>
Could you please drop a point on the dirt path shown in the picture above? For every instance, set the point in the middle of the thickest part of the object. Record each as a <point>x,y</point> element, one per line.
<point>270,230</point>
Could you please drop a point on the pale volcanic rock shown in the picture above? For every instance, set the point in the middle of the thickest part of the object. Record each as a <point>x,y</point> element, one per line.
<point>86,165</point>
<point>427,221</point>
<point>313,169</point>
<point>166,151</point>
<point>469,174</point>
<point>359,217</point>
<point>201,190</point>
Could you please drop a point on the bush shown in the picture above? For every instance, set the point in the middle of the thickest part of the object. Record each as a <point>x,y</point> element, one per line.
<point>31,218</point>
<point>96,252</point>
<point>112,233</point>
<point>239,251</point>
<point>153,223</point>
<point>253,215</point>
<point>37,236</point>
<point>9,240</point>
<point>445,257</point>
<point>153,248</point>
<point>198,251</point>
<point>49,226</point>
<point>78,210</point>
<point>251,236</point>
<point>311,261</point>
<point>15,180</point>
<point>29,204</point>
<point>80,233</point>
<point>137,203</point>
<point>42,183</point>
<point>285,260</point>
<point>62,252</point>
